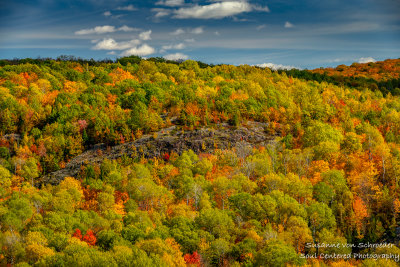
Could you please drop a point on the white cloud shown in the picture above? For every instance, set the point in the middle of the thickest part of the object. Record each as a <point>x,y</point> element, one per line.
<point>104,29</point>
<point>118,16</point>
<point>216,33</point>
<point>217,10</point>
<point>366,60</point>
<point>191,40</point>
<point>127,29</point>
<point>111,44</point>
<point>198,30</point>
<point>260,27</point>
<point>107,44</point>
<point>288,25</point>
<point>171,2</point>
<point>273,66</point>
<point>176,56</point>
<point>161,12</point>
<point>142,50</point>
<point>261,8</point>
<point>107,13</point>
<point>174,47</point>
<point>111,53</point>
<point>239,20</point>
<point>126,8</point>
<point>97,30</point>
<point>178,32</point>
<point>145,35</point>
<point>336,60</point>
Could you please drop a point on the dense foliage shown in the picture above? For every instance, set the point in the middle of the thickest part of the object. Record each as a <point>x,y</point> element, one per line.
<point>330,177</point>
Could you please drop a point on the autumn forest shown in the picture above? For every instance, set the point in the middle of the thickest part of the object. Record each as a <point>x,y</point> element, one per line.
<point>149,162</point>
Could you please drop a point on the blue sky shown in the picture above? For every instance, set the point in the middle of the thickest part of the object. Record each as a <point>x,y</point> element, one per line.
<point>303,34</point>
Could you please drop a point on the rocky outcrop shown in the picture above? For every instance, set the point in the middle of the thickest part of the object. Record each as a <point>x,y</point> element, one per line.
<point>167,140</point>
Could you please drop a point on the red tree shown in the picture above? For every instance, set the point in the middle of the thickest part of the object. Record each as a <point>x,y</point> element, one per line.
<point>166,156</point>
<point>90,238</point>
<point>193,259</point>
<point>77,234</point>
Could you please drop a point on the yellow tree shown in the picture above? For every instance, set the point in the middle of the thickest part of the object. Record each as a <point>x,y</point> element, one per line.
<point>168,250</point>
<point>36,247</point>
<point>360,214</point>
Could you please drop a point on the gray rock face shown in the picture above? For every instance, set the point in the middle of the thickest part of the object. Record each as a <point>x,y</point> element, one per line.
<point>167,140</point>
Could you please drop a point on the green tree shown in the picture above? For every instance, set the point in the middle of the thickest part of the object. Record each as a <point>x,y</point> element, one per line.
<point>216,222</point>
<point>5,181</point>
<point>30,170</point>
<point>19,210</point>
<point>320,217</point>
<point>319,132</point>
<point>277,254</point>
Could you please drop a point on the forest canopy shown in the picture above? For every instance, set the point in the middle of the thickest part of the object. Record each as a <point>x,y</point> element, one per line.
<point>330,174</point>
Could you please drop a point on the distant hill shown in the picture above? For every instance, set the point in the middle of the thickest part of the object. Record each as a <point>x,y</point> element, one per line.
<point>381,75</point>
<point>386,70</point>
